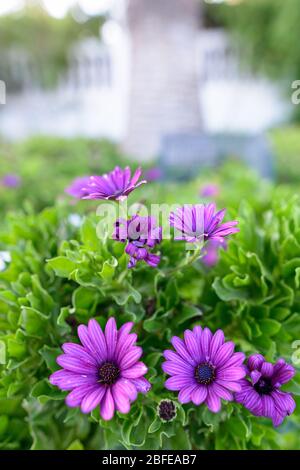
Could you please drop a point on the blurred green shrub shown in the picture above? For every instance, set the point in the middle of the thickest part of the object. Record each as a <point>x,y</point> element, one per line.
<point>47,165</point>
<point>286,145</point>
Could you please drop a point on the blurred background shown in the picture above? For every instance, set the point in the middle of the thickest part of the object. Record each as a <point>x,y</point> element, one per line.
<point>178,85</point>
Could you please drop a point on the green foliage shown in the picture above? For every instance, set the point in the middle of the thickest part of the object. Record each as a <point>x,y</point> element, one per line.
<point>60,276</point>
<point>286,145</point>
<point>47,165</point>
<point>267,30</point>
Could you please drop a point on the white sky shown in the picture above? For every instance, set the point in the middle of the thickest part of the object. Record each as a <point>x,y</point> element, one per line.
<point>58,8</point>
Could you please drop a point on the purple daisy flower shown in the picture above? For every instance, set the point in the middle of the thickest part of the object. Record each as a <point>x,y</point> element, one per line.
<point>260,391</point>
<point>201,222</point>
<point>104,371</point>
<point>114,185</point>
<point>11,181</point>
<point>141,235</point>
<point>204,368</point>
<point>76,188</point>
<point>211,252</point>
<point>153,174</point>
<point>210,190</point>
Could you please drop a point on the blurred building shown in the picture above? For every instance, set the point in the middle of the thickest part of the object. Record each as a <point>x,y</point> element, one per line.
<point>156,72</point>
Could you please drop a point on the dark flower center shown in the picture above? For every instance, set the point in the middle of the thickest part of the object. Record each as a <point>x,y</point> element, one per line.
<point>264,386</point>
<point>204,373</point>
<point>166,410</point>
<point>108,373</point>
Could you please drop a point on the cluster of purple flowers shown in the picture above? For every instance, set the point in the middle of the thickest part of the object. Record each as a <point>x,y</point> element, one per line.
<point>10,181</point>
<point>191,223</point>
<point>106,371</point>
<point>141,235</point>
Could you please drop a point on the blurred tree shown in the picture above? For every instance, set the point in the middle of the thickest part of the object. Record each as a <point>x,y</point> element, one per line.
<point>268,31</point>
<point>164,88</point>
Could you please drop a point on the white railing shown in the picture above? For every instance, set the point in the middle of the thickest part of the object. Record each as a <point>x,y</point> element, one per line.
<point>89,65</point>
<point>91,97</point>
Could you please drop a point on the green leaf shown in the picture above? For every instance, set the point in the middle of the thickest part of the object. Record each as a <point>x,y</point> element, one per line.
<point>108,269</point>
<point>49,355</point>
<point>2,352</point>
<point>44,392</point>
<point>237,427</point>
<point>76,445</point>
<point>269,327</point>
<point>62,266</point>
<point>155,425</point>
<point>188,312</point>
<point>16,348</point>
<point>33,321</point>
<point>4,423</point>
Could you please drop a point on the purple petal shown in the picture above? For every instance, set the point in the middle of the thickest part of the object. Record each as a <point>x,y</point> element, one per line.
<point>213,401</point>
<point>180,347</point>
<point>111,335</point>
<point>78,351</point>
<point>172,356</point>
<point>283,374</point>
<point>136,176</point>
<point>66,380</point>
<point>233,386</point>
<point>255,376</point>
<point>236,360</point>
<point>142,385</point>
<point>131,357</point>
<point>267,369</point>
<point>284,402</point>
<point>75,365</point>
<point>107,406</point>
<point>221,392</point>
<point>206,338</point>
<point>85,339</point>
<point>124,331</point>
<point>268,406</point>
<point>152,260</point>
<point>124,345</point>
<point>92,399</point>
<point>191,344</point>
<point>75,397</point>
<point>255,361</point>
<point>121,398</point>
<point>232,374</point>
<point>277,418</point>
<point>128,388</point>
<point>185,394</point>
<point>197,330</point>
<point>97,336</point>
<point>176,368</point>
<point>178,382</point>
<point>224,354</point>
<point>251,400</point>
<point>199,394</point>
<point>135,371</point>
<point>216,342</point>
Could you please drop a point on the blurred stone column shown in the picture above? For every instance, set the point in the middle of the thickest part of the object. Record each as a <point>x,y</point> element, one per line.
<point>164,86</point>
